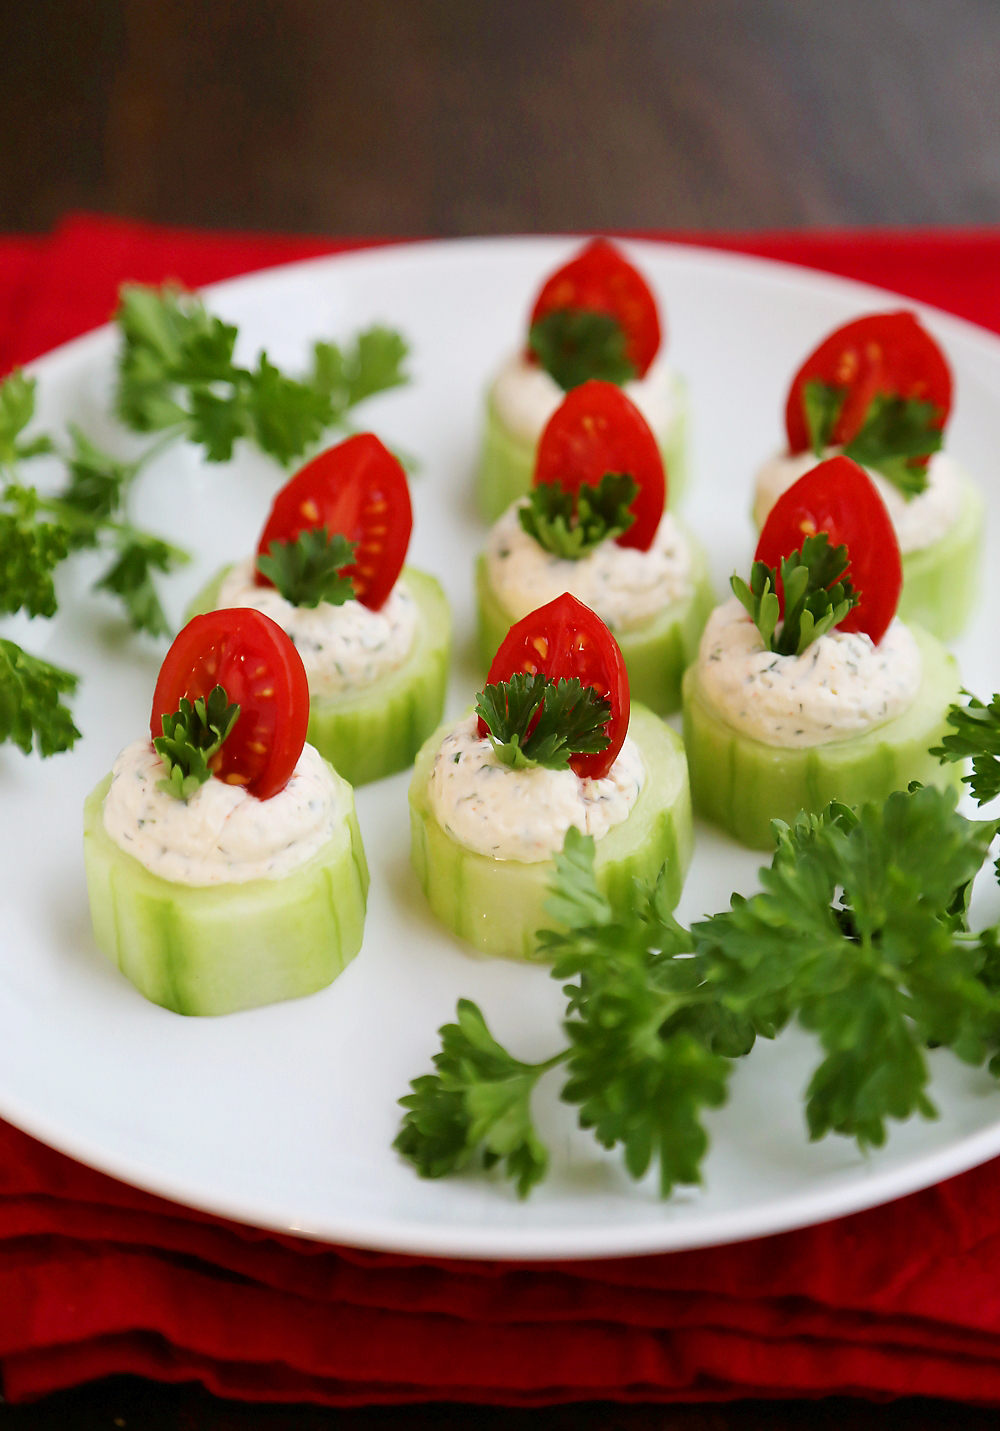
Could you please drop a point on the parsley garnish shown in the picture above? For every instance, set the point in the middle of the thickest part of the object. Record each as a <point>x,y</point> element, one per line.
<point>191,737</point>
<point>307,570</point>
<point>896,438</point>
<point>977,734</point>
<point>176,371</point>
<point>572,524</point>
<point>535,721</point>
<point>30,708</point>
<point>860,934</point>
<point>818,595</point>
<point>574,345</point>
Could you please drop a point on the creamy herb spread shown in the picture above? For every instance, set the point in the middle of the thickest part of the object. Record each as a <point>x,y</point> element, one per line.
<point>221,835</point>
<point>841,686</point>
<point>526,396</point>
<point>343,648</point>
<point>626,587</point>
<point>918,521</point>
<point>524,814</point>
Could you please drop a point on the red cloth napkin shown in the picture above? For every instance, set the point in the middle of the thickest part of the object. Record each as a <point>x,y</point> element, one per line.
<point>97,1277</point>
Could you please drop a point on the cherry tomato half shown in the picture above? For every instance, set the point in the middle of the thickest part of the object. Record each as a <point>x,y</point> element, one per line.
<point>251,657</point>
<point>565,639</point>
<point>882,353</point>
<point>839,497</point>
<point>597,429</point>
<point>600,280</point>
<point>360,490</point>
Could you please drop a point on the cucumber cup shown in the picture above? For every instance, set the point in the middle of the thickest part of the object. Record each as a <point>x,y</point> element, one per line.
<point>378,730</point>
<point>656,653</point>
<point>508,461</point>
<point>741,784</point>
<point>498,905</point>
<point>220,948</point>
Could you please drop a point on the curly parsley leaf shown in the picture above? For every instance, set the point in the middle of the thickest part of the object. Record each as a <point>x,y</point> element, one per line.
<point>535,721</point>
<point>191,737</point>
<point>896,438</point>
<point>98,482</point>
<point>131,577</point>
<point>307,570</point>
<point>572,524</point>
<point>818,595</point>
<point>30,551</point>
<point>17,408</point>
<point>372,364</point>
<point>478,1102</point>
<point>977,734</point>
<point>576,344</point>
<point>856,935</point>
<point>30,708</point>
<point>821,406</point>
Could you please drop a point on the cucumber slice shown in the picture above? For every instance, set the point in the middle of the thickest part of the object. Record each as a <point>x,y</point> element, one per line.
<point>940,581</point>
<point>742,784</point>
<point>656,654</point>
<point>507,463</point>
<point>221,948</point>
<point>374,732</point>
<point>497,905</point>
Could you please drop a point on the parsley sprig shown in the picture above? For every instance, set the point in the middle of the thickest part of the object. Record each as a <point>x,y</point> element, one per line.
<point>177,371</point>
<point>860,934</point>
<point>31,711</point>
<point>569,524</point>
<point>818,595</point>
<point>896,438</point>
<point>191,737</point>
<point>307,570</point>
<point>536,721</point>
<point>976,734</point>
<point>574,345</point>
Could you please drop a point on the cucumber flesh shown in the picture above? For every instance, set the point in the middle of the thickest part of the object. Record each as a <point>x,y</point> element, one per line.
<point>373,732</point>
<point>656,653</point>
<point>220,948</point>
<point>507,463</point>
<point>498,905</point>
<point>741,784</point>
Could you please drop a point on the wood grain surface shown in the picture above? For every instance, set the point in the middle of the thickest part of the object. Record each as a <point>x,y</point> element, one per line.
<point>442,117</point>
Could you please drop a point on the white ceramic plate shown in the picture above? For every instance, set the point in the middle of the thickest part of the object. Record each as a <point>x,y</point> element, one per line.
<point>284,1116</point>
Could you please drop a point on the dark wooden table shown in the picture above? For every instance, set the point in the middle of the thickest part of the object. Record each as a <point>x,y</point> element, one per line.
<point>442,117</point>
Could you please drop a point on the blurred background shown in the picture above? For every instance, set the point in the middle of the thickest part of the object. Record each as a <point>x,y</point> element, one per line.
<point>441,117</point>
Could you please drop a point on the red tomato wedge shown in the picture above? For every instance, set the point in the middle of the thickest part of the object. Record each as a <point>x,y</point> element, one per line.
<point>248,654</point>
<point>597,429</point>
<point>882,353</point>
<point>839,497</point>
<point>565,639</point>
<point>601,280</point>
<point>360,490</point>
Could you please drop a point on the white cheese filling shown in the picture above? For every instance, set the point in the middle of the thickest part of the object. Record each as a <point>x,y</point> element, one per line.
<point>222,834</point>
<point>343,648</point>
<point>841,686</point>
<point>524,814</point>
<point>625,586</point>
<point>919,521</point>
<point>526,396</point>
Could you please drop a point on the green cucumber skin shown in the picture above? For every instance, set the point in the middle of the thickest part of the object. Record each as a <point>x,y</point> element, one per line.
<point>656,654</point>
<point>941,581</point>
<point>507,463</point>
<point>221,948</point>
<point>498,905</point>
<point>377,731</point>
<point>742,784</point>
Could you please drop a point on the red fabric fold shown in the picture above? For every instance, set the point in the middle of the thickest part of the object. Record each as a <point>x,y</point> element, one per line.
<point>97,1277</point>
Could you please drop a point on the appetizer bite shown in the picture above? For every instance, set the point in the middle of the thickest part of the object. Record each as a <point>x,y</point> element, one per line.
<point>808,688</point>
<point>552,744</point>
<point>879,390</point>
<point>224,861</point>
<point>375,643</point>
<point>594,318</point>
<point>594,525</point>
